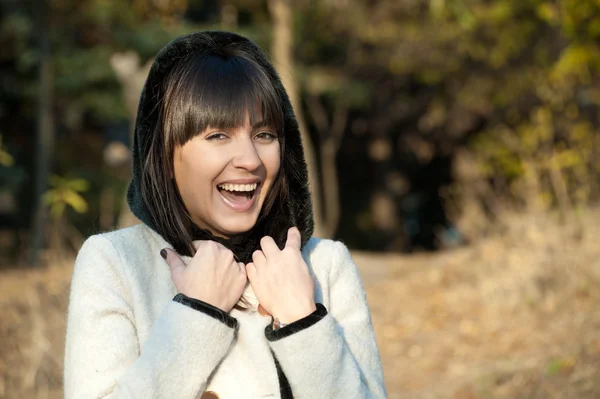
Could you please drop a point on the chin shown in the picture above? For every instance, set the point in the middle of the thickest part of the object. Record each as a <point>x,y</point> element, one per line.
<point>237,225</point>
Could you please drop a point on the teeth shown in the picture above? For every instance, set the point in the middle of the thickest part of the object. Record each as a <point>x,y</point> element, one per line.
<point>238,187</point>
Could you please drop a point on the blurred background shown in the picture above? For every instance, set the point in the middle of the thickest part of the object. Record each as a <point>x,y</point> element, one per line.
<point>453,145</point>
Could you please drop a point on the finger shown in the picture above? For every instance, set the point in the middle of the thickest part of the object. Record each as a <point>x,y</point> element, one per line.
<point>242,266</point>
<point>197,244</point>
<point>173,260</point>
<point>251,271</point>
<point>268,246</point>
<point>218,244</point>
<point>293,238</point>
<point>259,259</point>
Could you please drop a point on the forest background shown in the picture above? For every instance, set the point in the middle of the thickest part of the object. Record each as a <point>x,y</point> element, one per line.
<point>453,145</point>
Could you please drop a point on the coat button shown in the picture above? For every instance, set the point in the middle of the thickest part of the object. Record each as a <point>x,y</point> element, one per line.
<point>209,395</point>
<point>262,311</point>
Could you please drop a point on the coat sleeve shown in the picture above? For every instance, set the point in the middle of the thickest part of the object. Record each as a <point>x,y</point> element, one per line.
<point>332,353</point>
<point>103,357</point>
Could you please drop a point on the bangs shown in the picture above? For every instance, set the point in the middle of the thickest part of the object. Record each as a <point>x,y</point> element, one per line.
<point>218,91</point>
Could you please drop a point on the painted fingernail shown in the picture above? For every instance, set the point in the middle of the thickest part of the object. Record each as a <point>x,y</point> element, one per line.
<point>163,253</point>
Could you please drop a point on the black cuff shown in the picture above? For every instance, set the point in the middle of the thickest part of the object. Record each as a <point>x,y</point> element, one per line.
<point>207,309</point>
<point>298,325</point>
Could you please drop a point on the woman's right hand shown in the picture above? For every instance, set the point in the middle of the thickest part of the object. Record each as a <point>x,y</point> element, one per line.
<point>212,276</point>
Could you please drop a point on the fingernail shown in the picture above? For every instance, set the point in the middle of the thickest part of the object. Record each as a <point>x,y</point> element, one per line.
<point>163,253</point>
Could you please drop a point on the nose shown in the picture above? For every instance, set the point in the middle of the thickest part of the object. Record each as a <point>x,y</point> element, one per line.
<point>246,155</point>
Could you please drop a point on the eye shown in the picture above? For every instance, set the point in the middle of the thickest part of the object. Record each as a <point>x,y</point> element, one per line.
<point>266,135</point>
<point>216,137</point>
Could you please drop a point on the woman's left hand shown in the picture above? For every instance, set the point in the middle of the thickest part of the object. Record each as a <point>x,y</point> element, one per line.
<point>281,280</point>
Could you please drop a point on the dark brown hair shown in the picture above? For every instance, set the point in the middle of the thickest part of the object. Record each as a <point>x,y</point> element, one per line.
<point>217,87</point>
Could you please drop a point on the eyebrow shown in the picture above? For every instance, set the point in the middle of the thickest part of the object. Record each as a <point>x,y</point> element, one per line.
<point>259,124</point>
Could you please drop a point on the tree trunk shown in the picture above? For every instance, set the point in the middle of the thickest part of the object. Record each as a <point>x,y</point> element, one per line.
<point>560,188</point>
<point>281,12</point>
<point>330,184</point>
<point>533,187</point>
<point>45,137</point>
<point>331,134</point>
<point>567,211</point>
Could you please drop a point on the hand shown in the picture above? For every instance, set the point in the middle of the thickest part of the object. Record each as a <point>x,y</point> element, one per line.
<point>212,276</point>
<point>281,279</point>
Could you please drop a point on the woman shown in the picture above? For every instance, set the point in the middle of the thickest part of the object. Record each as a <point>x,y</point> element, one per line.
<point>221,292</point>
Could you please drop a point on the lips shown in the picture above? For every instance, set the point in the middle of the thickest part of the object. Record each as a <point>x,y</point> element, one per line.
<point>238,197</point>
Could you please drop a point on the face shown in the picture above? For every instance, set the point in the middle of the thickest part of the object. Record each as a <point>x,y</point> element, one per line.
<point>224,175</point>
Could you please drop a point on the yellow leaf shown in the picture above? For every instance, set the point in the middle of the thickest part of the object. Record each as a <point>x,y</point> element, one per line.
<point>78,185</point>
<point>568,158</point>
<point>6,159</point>
<point>76,202</point>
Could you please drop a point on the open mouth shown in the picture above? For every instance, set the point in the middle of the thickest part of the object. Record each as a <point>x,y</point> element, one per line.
<point>238,194</point>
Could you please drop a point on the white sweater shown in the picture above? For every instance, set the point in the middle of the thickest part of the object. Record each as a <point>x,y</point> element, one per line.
<point>127,338</point>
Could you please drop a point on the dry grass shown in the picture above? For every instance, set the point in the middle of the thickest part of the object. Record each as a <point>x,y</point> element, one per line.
<point>510,317</point>
<point>32,309</point>
<point>514,317</point>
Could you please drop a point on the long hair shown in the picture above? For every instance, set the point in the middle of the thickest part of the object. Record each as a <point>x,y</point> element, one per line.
<point>217,87</point>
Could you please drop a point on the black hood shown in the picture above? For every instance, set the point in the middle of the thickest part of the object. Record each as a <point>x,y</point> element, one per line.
<point>296,212</point>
